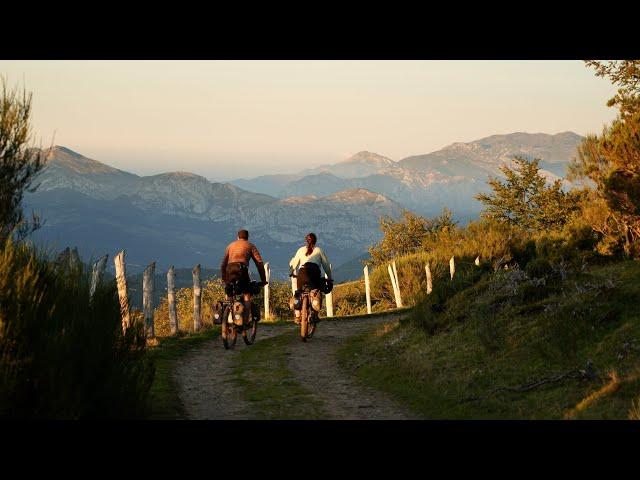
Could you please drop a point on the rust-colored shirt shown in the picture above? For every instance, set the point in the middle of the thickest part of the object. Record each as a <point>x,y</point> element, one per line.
<point>242,251</point>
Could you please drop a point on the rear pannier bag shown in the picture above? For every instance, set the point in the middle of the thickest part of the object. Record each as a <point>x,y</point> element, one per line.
<point>295,301</point>
<point>217,312</point>
<point>238,311</point>
<point>315,297</point>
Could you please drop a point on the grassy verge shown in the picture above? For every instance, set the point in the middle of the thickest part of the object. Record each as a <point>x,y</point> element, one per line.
<point>165,401</point>
<point>269,386</point>
<point>554,353</point>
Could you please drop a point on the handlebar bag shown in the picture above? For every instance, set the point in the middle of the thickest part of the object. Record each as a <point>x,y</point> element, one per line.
<point>326,286</point>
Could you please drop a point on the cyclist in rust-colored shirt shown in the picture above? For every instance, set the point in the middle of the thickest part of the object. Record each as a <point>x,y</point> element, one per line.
<point>235,267</point>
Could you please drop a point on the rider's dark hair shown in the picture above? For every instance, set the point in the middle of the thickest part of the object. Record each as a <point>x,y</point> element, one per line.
<point>311,242</point>
<point>243,234</point>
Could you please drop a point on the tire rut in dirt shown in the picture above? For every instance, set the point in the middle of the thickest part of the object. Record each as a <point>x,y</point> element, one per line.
<point>206,383</point>
<point>315,366</point>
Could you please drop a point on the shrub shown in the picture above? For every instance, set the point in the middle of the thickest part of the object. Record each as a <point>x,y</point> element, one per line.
<point>63,355</point>
<point>538,268</point>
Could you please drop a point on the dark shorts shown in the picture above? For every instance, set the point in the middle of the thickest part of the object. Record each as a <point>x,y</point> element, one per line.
<point>237,279</point>
<point>309,274</point>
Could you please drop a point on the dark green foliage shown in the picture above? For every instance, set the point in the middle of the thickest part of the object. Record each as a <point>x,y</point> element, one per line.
<point>538,268</point>
<point>61,355</point>
<point>611,163</point>
<point>409,234</point>
<point>524,199</point>
<point>18,164</point>
<point>626,75</point>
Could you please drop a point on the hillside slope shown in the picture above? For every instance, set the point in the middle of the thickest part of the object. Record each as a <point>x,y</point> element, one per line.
<point>511,347</point>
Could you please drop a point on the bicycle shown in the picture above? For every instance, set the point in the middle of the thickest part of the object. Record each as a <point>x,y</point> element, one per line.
<point>309,316</point>
<point>229,314</point>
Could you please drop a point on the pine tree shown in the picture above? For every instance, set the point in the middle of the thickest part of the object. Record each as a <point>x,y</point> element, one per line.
<point>524,199</point>
<point>611,162</point>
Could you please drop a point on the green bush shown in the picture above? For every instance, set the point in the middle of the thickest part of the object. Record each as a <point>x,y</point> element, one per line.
<point>63,355</point>
<point>538,268</point>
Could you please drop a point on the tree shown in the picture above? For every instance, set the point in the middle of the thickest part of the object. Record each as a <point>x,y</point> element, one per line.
<point>525,200</point>
<point>19,164</point>
<point>408,234</point>
<point>611,161</point>
<point>626,75</point>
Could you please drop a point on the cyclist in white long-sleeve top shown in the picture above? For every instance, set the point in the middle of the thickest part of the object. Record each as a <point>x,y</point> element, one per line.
<point>310,258</point>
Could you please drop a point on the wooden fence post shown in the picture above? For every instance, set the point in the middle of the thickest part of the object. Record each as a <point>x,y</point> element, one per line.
<point>395,274</point>
<point>396,290</point>
<point>452,267</point>
<point>98,273</point>
<point>197,292</point>
<point>171,300</point>
<point>429,281</point>
<point>267,272</point>
<point>148,283</point>
<point>367,288</point>
<point>329,299</point>
<point>121,280</point>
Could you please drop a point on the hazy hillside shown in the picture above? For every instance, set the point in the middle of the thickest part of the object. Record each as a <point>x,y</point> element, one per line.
<point>449,177</point>
<point>181,218</point>
<point>487,154</point>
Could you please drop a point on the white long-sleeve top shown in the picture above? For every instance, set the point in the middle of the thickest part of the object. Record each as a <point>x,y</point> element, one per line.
<point>317,256</point>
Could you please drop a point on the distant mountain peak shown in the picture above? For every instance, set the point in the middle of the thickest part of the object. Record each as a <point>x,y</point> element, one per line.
<point>77,163</point>
<point>63,150</point>
<point>370,158</point>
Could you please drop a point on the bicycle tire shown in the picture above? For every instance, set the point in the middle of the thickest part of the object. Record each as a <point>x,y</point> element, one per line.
<point>229,332</point>
<point>249,333</point>
<point>304,318</point>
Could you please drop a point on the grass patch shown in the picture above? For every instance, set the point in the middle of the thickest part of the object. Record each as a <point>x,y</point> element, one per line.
<point>269,386</point>
<point>165,401</point>
<point>498,354</point>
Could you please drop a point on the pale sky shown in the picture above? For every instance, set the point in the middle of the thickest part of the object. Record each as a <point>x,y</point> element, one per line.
<point>237,119</point>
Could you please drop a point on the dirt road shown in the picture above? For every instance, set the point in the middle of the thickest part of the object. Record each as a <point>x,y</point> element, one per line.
<point>209,390</point>
<point>315,366</point>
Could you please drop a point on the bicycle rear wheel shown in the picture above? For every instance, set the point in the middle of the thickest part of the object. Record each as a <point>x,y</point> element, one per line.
<point>311,328</point>
<point>249,333</point>
<point>304,319</point>
<point>229,332</point>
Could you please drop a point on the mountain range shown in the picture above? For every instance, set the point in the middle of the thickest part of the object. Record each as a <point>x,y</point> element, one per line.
<point>450,177</point>
<point>181,219</point>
